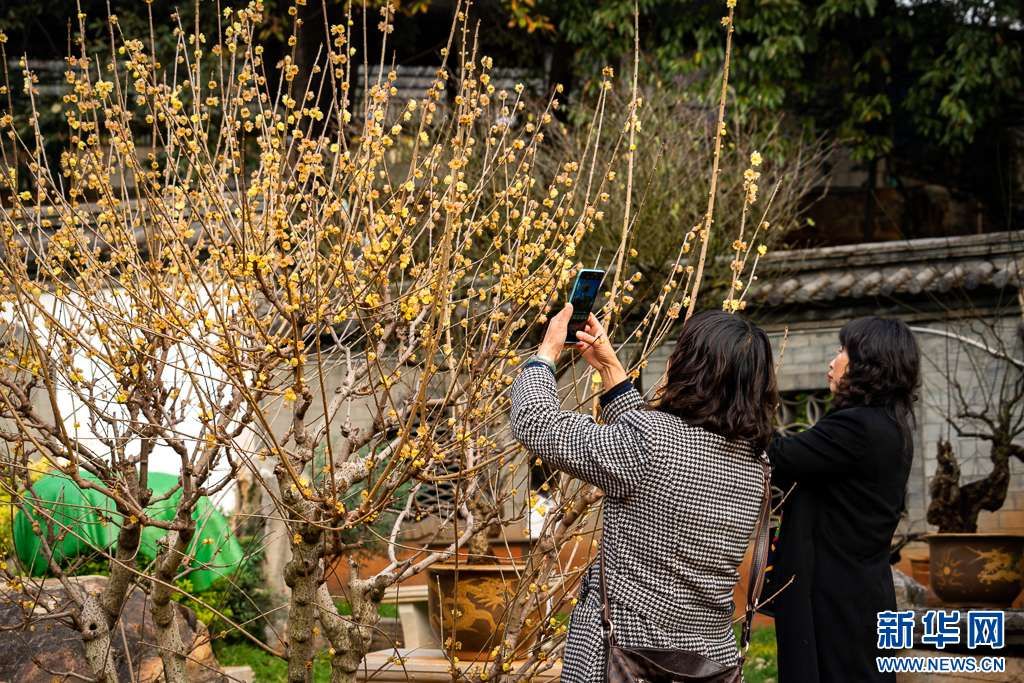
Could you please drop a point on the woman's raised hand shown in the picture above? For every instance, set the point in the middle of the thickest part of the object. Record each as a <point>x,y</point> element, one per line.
<point>594,346</point>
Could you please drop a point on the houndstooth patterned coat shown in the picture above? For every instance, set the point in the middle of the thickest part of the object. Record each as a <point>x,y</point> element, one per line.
<point>680,505</point>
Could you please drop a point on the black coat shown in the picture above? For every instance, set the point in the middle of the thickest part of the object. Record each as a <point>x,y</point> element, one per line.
<point>851,471</point>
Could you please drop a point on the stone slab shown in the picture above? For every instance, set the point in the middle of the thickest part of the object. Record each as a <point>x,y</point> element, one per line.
<point>239,674</point>
<point>426,665</point>
<point>413,611</point>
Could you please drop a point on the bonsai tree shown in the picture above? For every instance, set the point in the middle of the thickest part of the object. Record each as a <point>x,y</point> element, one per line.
<point>986,403</point>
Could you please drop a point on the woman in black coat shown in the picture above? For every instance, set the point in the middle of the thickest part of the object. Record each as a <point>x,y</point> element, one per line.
<point>850,471</point>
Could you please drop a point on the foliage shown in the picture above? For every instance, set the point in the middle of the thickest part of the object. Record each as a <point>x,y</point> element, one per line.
<point>5,525</point>
<point>266,667</point>
<point>762,659</point>
<point>388,610</point>
<point>8,503</point>
<point>930,88</point>
<point>874,72</point>
<point>241,598</point>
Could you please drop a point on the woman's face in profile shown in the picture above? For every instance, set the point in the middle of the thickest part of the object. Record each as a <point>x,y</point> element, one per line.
<point>837,368</point>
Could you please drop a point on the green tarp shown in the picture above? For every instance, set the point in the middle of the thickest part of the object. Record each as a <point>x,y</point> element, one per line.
<point>92,523</point>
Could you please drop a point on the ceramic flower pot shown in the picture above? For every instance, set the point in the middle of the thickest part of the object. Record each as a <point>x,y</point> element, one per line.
<point>976,569</point>
<point>468,606</point>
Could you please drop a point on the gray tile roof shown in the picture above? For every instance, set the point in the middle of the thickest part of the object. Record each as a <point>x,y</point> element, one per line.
<point>928,266</point>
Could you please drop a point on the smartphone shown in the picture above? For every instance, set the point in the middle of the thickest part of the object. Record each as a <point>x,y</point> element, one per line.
<point>584,293</point>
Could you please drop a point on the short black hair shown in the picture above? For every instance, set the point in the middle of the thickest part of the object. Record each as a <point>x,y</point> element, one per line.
<point>884,369</point>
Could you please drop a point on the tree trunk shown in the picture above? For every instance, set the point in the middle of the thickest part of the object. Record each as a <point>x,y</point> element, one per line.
<point>303,574</point>
<point>350,638</point>
<point>100,613</point>
<point>954,508</point>
<point>173,651</point>
<point>93,624</point>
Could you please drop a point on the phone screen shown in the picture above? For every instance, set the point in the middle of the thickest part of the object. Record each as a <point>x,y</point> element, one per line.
<point>584,293</point>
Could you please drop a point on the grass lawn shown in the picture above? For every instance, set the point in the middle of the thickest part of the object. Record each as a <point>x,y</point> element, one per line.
<point>265,667</point>
<point>760,667</point>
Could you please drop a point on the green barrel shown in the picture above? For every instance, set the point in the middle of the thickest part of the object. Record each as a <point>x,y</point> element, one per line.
<point>83,521</point>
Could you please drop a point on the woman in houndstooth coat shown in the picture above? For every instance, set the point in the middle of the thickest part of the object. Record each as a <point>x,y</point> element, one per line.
<point>681,476</point>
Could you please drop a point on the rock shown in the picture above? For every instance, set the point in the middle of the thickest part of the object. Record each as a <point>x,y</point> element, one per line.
<point>909,593</point>
<point>50,649</point>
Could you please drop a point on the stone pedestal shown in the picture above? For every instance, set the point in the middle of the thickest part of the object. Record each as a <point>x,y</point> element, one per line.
<point>415,617</point>
<point>425,665</point>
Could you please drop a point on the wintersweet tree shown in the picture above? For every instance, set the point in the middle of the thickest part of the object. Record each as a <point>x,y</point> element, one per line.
<point>226,265</point>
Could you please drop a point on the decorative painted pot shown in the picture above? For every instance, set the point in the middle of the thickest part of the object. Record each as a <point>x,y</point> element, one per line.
<point>467,608</point>
<point>976,569</point>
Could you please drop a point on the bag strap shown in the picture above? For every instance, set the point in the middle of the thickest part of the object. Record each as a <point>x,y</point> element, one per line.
<point>758,561</point>
<point>759,556</point>
<point>606,611</point>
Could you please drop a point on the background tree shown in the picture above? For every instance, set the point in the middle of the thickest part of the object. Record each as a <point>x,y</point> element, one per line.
<point>674,144</point>
<point>921,90</point>
<point>985,376</point>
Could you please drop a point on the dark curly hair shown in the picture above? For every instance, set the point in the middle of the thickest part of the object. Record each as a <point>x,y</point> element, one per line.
<point>721,377</point>
<point>884,369</point>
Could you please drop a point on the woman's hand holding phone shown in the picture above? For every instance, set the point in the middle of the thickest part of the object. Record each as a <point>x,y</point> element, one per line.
<point>597,350</point>
<point>554,337</point>
<point>593,345</point>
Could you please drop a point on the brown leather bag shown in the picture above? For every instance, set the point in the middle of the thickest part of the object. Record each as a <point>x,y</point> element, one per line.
<point>667,665</point>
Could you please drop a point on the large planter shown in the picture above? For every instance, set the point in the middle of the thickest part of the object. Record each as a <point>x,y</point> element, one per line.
<point>976,569</point>
<point>468,604</point>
